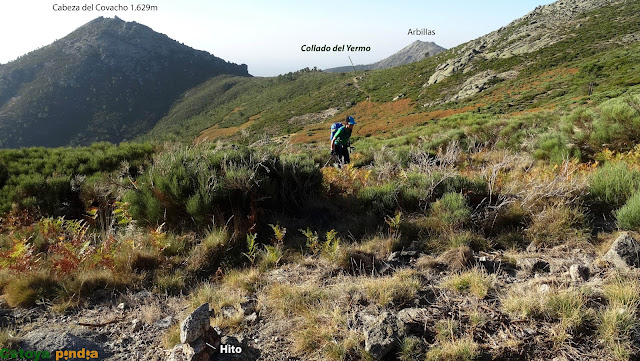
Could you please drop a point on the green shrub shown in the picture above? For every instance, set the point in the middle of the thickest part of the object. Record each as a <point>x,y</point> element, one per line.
<point>512,135</point>
<point>190,187</point>
<point>4,175</point>
<point>420,189</point>
<point>52,179</point>
<point>619,125</point>
<point>379,198</point>
<point>555,147</point>
<point>615,124</point>
<point>144,206</point>
<point>628,216</point>
<point>460,184</point>
<point>613,184</point>
<point>450,212</point>
<point>298,177</point>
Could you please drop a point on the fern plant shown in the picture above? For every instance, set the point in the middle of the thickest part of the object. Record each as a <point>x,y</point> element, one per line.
<point>313,241</point>
<point>332,244</point>
<point>394,224</point>
<point>279,233</point>
<point>252,248</point>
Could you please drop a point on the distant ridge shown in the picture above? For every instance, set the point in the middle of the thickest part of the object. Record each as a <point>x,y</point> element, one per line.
<point>413,52</point>
<point>108,80</point>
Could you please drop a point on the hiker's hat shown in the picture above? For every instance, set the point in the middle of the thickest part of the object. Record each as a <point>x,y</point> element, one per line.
<point>350,120</point>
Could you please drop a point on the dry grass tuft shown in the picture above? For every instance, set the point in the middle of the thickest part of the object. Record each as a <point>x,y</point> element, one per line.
<point>618,321</point>
<point>285,300</point>
<point>9,338</point>
<point>26,290</point>
<point>171,337</point>
<point>457,259</point>
<point>216,296</point>
<point>475,282</point>
<point>556,225</point>
<point>623,291</point>
<point>397,289</point>
<point>566,307</point>
<point>464,349</point>
<point>428,263</point>
<point>150,313</point>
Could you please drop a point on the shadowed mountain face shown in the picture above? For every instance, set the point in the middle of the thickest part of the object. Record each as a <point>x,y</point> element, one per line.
<point>413,52</point>
<point>109,80</point>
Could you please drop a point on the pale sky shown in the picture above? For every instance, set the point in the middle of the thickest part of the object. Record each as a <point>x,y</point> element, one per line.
<point>268,35</point>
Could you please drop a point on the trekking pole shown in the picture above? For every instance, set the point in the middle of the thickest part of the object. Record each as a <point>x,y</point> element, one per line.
<point>354,67</point>
<point>329,160</point>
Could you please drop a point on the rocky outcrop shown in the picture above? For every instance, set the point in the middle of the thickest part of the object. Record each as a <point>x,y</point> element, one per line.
<point>382,335</point>
<point>413,52</point>
<point>544,26</point>
<point>454,65</point>
<point>624,252</point>
<point>195,325</point>
<point>482,81</point>
<point>198,340</point>
<point>54,340</point>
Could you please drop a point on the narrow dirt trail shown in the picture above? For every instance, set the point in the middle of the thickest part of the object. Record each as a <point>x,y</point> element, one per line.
<point>355,83</point>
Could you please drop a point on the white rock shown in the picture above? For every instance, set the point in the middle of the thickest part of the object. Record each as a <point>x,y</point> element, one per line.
<point>195,325</point>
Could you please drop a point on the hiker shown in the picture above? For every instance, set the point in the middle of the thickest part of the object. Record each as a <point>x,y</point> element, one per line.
<point>340,139</point>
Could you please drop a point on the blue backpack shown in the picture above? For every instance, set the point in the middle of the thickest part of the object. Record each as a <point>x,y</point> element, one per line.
<point>334,128</point>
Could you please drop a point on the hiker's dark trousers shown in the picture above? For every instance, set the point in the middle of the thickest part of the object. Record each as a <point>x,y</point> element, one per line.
<point>343,153</point>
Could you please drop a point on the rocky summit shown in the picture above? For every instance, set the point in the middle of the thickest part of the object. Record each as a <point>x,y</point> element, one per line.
<point>544,26</point>
<point>416,51</point>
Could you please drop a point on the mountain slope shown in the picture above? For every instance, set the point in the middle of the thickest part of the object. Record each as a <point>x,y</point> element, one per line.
<point>586,51</point>
<point>413,52</point>
<point>108,80</point>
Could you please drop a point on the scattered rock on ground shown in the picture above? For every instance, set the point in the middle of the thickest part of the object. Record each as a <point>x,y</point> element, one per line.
<point>164,322</point>
<point>195,325</point>
<point>228,311</point>
<point>414,320</point>
<point>199,341</point>
<point>533,265</point>
<point>382,335</point>
<point>579,272</point>
<point>53,340</point>
<point>136,325</point>
<point>624,252</point>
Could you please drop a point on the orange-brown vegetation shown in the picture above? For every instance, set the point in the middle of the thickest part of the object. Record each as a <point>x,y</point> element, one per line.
<point>216,132</point>
<point>377,119</point>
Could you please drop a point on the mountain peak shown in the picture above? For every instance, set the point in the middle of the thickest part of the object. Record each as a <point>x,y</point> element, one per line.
<point>108,80</point>
<point>411,53</point>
